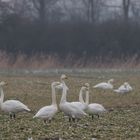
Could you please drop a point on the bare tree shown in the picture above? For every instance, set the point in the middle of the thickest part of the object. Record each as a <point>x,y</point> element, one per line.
<point>135,9</point>
<point>126,8</point>
<point>42,7</point>
<point>93,9</point>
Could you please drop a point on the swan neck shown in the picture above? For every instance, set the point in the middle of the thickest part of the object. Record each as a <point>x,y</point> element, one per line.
<point>64,93</point>
<point>2,95</point>
<point>87,97</point>
<point>81,97</point>
<point>53,96</point>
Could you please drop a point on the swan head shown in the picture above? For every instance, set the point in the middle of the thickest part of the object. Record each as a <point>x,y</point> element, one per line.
<point>111,80</point>
<point>2,83</point>
<point>87,85</point>
<point>125,83</point>
<point>63,76</point>
<point>83,88</point>
<point>54,84</point>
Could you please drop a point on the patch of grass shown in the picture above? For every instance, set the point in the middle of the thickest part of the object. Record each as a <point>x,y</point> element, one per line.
<point>121,123</point>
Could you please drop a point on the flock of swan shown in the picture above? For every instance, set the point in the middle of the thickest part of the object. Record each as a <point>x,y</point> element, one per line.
<point>73,110</point>
<point>124,88</point>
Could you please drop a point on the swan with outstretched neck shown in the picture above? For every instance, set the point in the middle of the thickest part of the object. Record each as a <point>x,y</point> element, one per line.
<point>93,108</point>
<point>70,110</point>
<point>105,85</point>
<point>11,106</point>
<point>47,112</point>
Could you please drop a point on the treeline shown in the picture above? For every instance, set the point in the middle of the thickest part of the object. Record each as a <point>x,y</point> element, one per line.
<point>81,29</point>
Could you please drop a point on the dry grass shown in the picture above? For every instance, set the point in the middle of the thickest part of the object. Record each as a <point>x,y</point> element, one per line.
<point>43,61</point>
<point>119,124</point>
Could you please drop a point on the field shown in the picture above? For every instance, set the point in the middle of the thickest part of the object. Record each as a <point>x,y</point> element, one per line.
<point>121,123</point>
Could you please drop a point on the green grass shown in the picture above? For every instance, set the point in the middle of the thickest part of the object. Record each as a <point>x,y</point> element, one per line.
<point>122,123</point>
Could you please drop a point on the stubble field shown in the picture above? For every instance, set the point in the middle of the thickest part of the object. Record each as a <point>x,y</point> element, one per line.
<point>120,123</point>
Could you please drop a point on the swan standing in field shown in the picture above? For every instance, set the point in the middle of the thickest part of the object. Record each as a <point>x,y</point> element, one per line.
<point>93,108</point>
<point>70,110</point>
<point>11,106</point>
<point>47,112</point>
<point>125,88</point>
<point>105,85</point>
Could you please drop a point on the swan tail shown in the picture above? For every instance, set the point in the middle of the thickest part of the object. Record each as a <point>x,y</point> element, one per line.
<point>95,86</point>
<point>84,113</point>
<point>27,109</point>
<point>34,116</point>
<point>116,90</point>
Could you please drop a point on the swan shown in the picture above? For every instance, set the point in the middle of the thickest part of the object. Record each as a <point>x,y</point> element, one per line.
<point>125,88</point>
<point>93,108</point>
<point>105,85</point>
<point>81,104</point>
<point>70,110</point>
<point>47,112</point>
<point>11,106</point>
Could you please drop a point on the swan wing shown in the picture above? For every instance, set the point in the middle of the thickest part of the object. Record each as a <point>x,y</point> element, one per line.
<point>122,89</point>
<point>79,105</point>
<point>129,87</point>
<point>103,85</point>
<point>14,106</point>
<point>72,110</point>
<point>46,112</point>
<point>96,108</point>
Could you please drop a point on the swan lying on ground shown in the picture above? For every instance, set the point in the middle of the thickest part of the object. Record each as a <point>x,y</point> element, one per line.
<point>47,112</point>
<point>125,88</point>
<point>105,85</point>
<point>70,110</point>
<point>11,106</point>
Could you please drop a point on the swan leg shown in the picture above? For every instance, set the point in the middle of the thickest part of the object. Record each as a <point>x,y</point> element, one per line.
<point>14,116</point>
<point>69,119</point>
<point>49,120</point>
<point>11,116</point>
<point>44,121</point>
<point>92,117</point>
<point>73,119</point>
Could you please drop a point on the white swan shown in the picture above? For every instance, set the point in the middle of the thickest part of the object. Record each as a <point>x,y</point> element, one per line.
<point>93,108</point>
<point>11,106</point>
<point>105,85</point>
<point>125,88</point>
<point>81,104</point>
<point>47,112</point>
<point>70,110</point>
